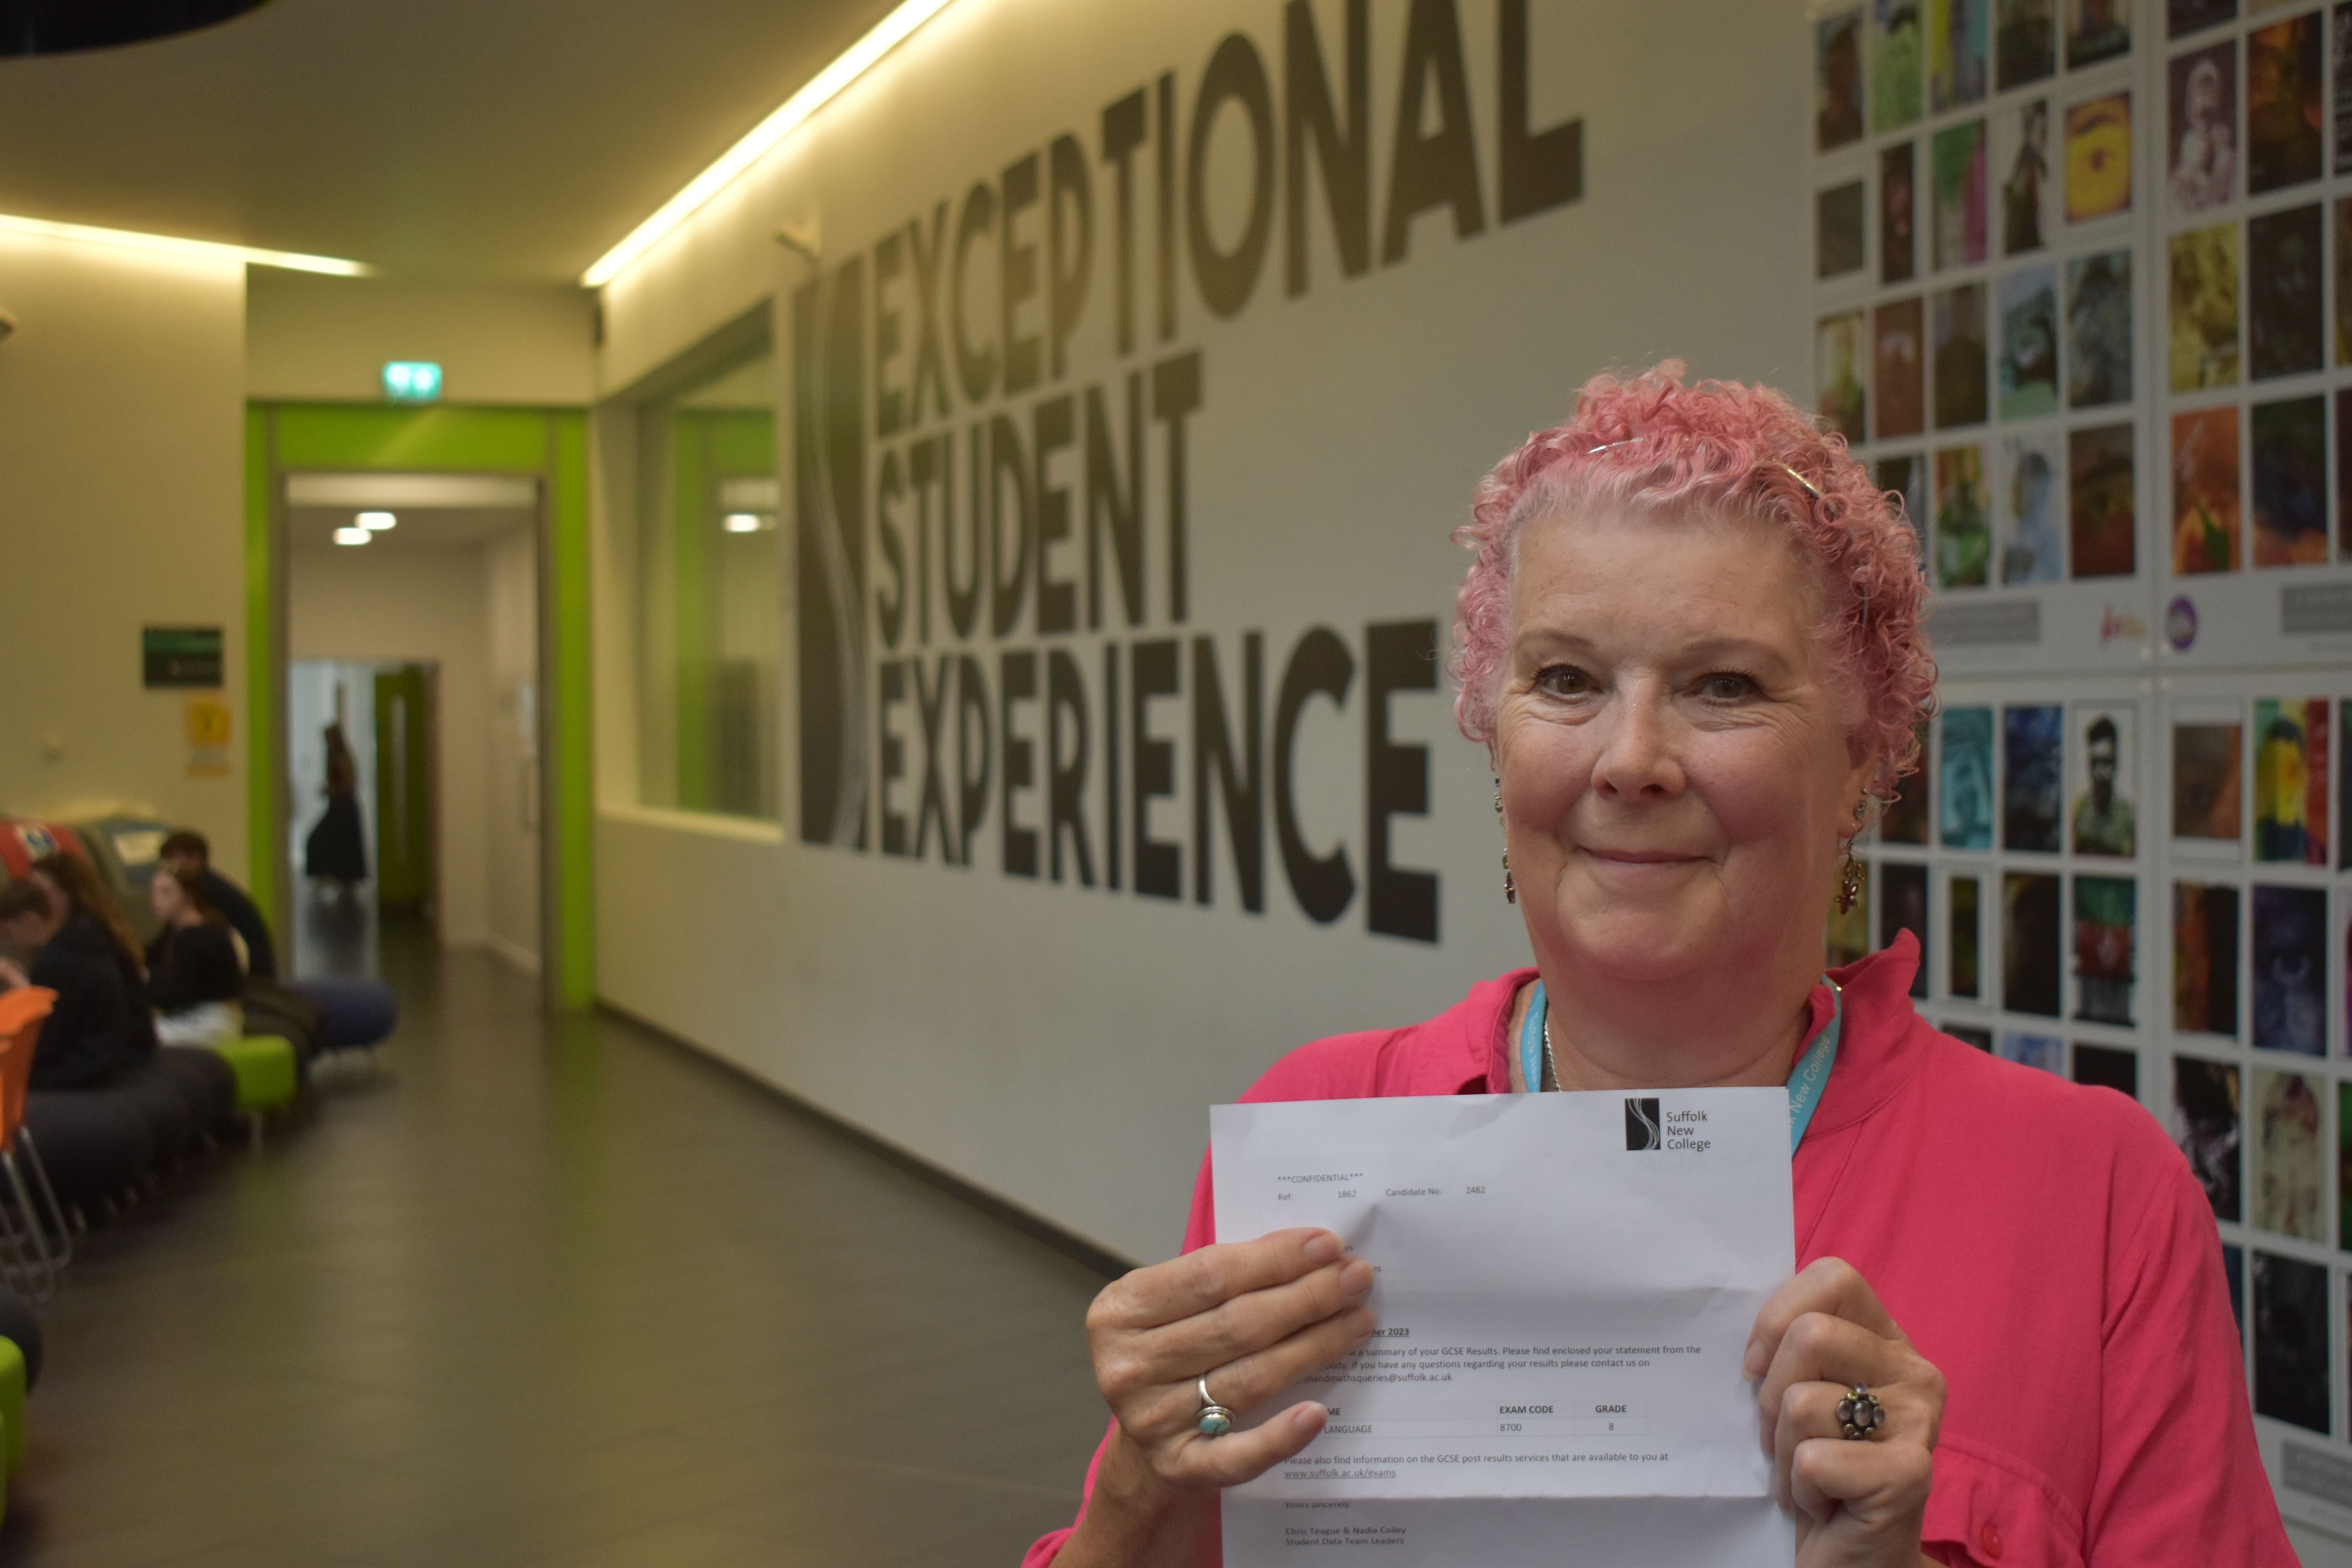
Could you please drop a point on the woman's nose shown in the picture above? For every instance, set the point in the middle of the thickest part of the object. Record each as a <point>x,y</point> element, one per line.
<point>1638,759</point>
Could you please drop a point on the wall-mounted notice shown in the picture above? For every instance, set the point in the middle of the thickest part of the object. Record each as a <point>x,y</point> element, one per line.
<point>180,656</point>
<point>210,730</point>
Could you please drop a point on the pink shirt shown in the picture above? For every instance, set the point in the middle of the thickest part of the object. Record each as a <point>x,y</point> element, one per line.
<point>2042,1243</point>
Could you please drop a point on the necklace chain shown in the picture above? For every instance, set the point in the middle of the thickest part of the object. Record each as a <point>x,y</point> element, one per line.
<point>1551,1065</point>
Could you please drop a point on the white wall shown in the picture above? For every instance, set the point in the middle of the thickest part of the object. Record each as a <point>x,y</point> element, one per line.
<point>1059,1045</point>
<point>310,337</point>
<point>121,403</point>
<point>511,790</point>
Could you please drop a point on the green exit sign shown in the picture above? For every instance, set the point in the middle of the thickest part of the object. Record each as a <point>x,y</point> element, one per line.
<point>412,381</point>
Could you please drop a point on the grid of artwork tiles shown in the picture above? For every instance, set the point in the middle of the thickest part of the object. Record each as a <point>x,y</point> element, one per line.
<point>2073,306</point>
<point>1976,239</point>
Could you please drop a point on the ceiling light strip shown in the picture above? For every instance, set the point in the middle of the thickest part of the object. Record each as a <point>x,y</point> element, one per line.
<point>888,34</point>
<point>168,244</point>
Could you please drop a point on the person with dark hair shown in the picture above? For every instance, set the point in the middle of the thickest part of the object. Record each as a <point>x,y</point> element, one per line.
<point>90,924</point>
<point>2103,819</point>
<point>86,1038</point>
<point>336,851</point>
<point>179,1091</point>
<point>349,1010</point>
<point>96,1141</point>
<point>190,854</point>
<point>194,978</point>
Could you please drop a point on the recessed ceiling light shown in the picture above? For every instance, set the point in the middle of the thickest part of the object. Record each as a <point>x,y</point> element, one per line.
<point>352,535</point>
<point>741,522</point>
<point>377,522</point>
<point>172,246</point>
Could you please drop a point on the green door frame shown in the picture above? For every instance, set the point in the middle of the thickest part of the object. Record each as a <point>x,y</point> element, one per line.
<point>550,445</point>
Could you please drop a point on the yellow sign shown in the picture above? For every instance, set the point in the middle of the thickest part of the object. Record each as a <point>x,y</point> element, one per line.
<point>210,729</point>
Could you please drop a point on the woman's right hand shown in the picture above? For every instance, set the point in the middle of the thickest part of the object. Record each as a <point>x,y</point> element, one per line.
<point>1252,1317</point>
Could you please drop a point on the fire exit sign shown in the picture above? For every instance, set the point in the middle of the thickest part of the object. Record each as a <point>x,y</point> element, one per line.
<point>412,381</point>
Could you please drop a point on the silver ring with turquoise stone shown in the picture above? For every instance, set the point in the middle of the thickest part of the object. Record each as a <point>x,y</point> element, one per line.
<point>1214,1420</point>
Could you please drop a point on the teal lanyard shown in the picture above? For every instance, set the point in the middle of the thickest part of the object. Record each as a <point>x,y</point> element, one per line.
<point>1805,1084</point>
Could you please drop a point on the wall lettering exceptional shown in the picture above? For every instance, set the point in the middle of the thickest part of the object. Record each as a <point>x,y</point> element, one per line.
<point>997,636</point>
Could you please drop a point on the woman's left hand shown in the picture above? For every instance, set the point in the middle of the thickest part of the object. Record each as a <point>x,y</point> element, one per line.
<point>1862,1501</point>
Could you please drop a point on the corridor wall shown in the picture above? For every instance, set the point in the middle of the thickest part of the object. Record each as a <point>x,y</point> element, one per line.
<point>121,399</point>
<point>511,806</point>
<point>1180,298</point>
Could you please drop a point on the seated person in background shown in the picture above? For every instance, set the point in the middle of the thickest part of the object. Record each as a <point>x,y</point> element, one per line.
<point>177,1090</point>
<point>93,926</point>
<point>88,1035</point>
<point>188,852</point>
<point>352,1009</point>
<point>194,978</point>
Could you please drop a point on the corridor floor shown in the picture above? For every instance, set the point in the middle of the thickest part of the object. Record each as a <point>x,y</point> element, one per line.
<point>553,1292</point>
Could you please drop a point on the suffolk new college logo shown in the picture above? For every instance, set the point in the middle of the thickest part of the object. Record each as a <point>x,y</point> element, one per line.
<point>1642,1125</point>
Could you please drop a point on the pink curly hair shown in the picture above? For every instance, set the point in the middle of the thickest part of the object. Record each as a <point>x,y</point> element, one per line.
<point>1651,442</point>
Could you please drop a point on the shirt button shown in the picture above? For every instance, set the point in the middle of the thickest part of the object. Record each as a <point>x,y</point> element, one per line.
<point>1991,1539</point>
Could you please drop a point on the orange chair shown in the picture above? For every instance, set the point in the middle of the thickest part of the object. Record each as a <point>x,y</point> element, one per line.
<point>32,1258</point>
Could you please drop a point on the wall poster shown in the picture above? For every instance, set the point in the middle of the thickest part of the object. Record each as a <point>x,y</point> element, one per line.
<point>2111,384</point>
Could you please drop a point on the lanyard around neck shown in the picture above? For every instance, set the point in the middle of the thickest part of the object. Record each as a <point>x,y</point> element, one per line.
<point>1806,1082</point>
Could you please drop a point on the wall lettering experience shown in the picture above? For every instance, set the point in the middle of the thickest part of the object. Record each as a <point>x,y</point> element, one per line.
<point>997,632</point>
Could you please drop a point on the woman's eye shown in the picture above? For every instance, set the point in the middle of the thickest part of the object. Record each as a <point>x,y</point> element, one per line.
<point>1564,680</point>
<point>1727,688</point>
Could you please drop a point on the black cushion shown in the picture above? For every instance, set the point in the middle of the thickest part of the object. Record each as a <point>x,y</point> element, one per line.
<point>205,1083</point>
<point>170,1123</point>
<point>94,1142</point>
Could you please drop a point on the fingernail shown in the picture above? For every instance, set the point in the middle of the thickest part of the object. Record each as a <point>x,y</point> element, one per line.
<point>1308,1418</point>
<point>1322,1248</point>
<point>1751,1362</point>
<point>1356,1277</point>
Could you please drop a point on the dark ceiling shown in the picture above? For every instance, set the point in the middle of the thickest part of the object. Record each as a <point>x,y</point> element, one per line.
<point>451,140</point>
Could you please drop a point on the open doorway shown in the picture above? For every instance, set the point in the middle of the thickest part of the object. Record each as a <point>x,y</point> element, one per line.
<point>412,716</point>
<point>364,834</point>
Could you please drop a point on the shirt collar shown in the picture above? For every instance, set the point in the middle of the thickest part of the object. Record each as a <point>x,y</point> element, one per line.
<point>1878,1013</point>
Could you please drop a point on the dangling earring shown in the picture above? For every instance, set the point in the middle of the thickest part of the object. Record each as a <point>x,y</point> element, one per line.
<point>1510,888</point>
<point>1851,875</point>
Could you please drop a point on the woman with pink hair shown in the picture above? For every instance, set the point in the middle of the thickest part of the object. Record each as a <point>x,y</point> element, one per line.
<point>1690,640</point>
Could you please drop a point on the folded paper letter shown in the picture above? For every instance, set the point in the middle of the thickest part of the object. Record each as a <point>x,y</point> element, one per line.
<point>1566,1283</point>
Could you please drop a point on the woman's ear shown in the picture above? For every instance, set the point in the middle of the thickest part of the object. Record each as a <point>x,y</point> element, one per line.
<point>1867,760</point>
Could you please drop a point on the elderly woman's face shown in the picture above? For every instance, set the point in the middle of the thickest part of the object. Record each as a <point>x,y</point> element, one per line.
<point>1676,771</point>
